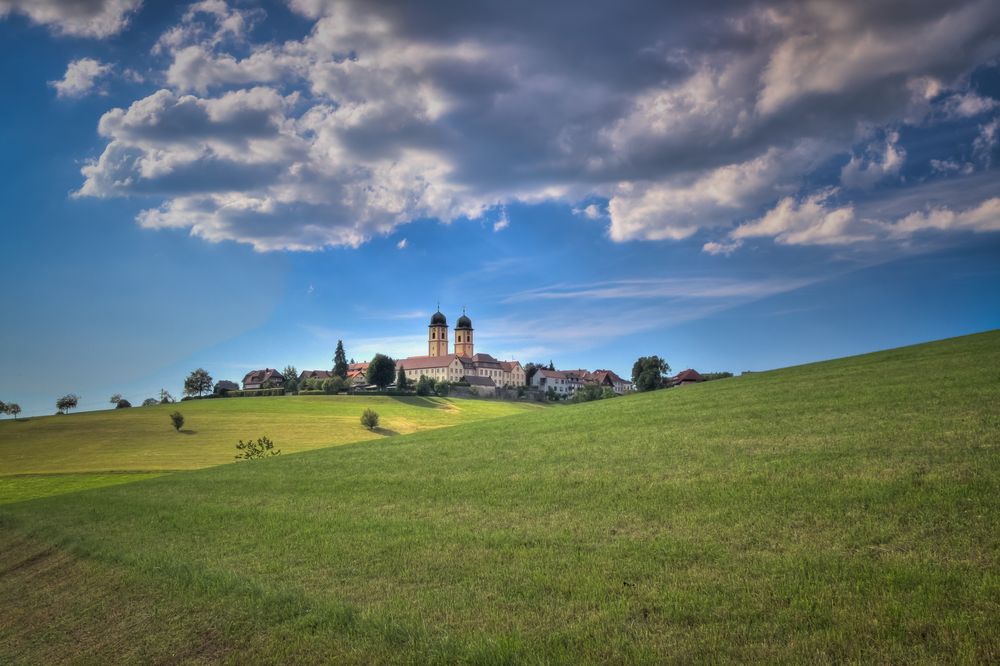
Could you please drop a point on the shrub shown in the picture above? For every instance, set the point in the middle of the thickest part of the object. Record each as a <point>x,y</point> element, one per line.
<point>123,404</point>
<point>443,389</point>
<point>149,402</point>
<point>369,419</point>
<point>334,385</point>
<point>256,450</point>
<point>178,420</point>
<point>424,385</point>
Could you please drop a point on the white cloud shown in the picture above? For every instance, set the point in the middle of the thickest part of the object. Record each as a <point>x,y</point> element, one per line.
<point>883,160</point>
<point>981,218</point>
<point>989,135</point>
<point>382,115</point>
<point>401,245</point>
<point>86,18</point>
<point>655,288</point>
<point>81,77</point>
<point>808,221</point>
<point>591,212</point>
<point>679,208</point>
<point>503,222</point>
<point>725,248</point>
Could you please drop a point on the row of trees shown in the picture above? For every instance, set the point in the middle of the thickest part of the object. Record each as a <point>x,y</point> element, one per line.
<point>11,408</point>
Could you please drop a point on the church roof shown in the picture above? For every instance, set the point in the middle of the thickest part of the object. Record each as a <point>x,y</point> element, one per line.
<point>425,362</point>
<point>438,319</point>
<point>464,322</point>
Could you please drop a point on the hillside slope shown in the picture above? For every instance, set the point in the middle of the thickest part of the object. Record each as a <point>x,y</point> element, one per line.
<point>845,510</point>
<point>54,454</point>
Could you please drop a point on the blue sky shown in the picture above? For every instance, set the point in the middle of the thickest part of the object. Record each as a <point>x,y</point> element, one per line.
<point>238,185</point>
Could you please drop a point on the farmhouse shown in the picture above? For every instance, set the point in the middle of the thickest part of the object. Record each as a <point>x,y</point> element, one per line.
<point>224,386</point>
<point>563,382</point>
<point>686,377</point>
<point>266,378</point>
<point>321,375</point>
<point>357,373</point>
<point>462,365</point>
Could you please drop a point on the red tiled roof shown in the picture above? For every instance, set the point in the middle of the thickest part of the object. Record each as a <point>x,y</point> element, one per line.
<point>425,362</point>
<point>261,376</point>
<point>688,375</point>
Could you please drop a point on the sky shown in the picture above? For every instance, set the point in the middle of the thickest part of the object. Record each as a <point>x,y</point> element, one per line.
<point>732,186</point>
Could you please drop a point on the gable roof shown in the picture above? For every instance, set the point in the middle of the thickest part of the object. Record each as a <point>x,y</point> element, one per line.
<point>689,375</point>
<point>315,374</point>
<point>426,362</point>
<point>476,380</point>
<point>261,376</point>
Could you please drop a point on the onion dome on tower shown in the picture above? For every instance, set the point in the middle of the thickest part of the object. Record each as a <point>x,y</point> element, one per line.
<point>438,319</point>
<point>463,336</point>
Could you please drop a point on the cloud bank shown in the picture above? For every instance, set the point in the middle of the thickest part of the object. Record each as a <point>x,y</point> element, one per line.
<point>711,120</point>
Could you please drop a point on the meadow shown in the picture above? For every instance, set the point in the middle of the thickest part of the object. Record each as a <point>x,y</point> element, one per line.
<point>834,512</point>
<point>53,454</point>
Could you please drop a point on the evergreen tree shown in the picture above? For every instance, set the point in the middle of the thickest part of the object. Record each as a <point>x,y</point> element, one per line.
<point>340,361</point>
<point>401,382</point>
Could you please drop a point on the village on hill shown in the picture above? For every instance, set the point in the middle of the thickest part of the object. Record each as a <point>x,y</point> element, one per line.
<point>461,368</point>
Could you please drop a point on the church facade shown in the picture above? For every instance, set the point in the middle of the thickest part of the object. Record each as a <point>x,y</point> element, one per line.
<point>443,364</point>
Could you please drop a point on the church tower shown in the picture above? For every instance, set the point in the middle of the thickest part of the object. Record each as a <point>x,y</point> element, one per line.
<point>437,335</point>
<point>463,336</point>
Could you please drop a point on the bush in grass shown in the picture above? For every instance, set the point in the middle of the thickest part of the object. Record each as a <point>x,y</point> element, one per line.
<point>369,419</point>
<point>123,404</point>
<point>334,385</point>
<point>177,419</point>
<point>150,402</point>
<point>442,389</point>
<point>256,450</point>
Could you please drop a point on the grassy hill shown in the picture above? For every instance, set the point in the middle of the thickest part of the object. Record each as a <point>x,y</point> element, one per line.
<point>840,511</point>
<point>141,440</point>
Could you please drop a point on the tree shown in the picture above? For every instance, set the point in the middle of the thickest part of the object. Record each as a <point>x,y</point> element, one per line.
<point>150,402</point>
<point>67,402</point>
<point>401,382</point>
<point>369,419</point>
<point>424,385</point>
<point>165,397</point>
<point>251,450</point>
<point>648,372</point>
<point>115,399</point>
<point>123,404</point>
<point>381,371</point>
<point>552,366</point>
<point>3,407</point>
<point>334,385</point>
<point>197,383</point>
<point>13,409</point>
<point>340,361</point>
<point>291,375</point>
<point>588,392</point>
<point>442,389</point>
<point>178,420</point>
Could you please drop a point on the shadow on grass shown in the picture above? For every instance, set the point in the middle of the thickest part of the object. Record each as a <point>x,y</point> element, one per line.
<point>417,401</point>
<point>386,432</point>
<point>187,432</point>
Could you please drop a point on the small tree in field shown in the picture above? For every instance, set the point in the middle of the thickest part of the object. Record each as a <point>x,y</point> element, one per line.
<point>123,404</point>
<point>165,397</point>
<point>401,382</point>
<point>369,419</point>
<point>256,450</point>
<point>178,420</point>
<point>67,402</point>
<point>150,402</point>
<point>115,399</point>
<point>291,375</point>
<point>648,372</point>
<point>13,409</point>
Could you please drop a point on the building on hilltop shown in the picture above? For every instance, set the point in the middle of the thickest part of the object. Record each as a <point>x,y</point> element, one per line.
<point>266,378</point>
<point>686,377</point>
<point>464,363</point>
<point>321,375</point>
<point>568,382</point>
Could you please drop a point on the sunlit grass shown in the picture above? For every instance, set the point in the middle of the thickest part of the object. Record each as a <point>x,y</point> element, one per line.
<point>836,512</point>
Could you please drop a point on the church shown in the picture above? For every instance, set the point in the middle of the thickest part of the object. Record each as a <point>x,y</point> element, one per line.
<point>480,370</point>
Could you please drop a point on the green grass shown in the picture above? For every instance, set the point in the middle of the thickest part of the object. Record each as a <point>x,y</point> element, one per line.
<point>840,511</point>
<point>143,440</point>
